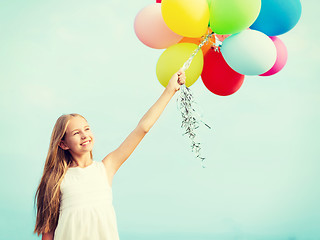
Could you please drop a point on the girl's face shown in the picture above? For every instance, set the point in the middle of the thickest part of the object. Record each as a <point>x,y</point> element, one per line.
<point>78,138</point>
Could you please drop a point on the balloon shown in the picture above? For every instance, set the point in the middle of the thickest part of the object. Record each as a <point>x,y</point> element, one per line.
<point>158,1</point>
<point>249,52</point>
<point>233,16</point>
<point>186,18</point>
<point>277,16</point>
<point>282,56</point>
<point>173,58</point>
<point>209,4</point>
<point>222,37</point>
<point>218,77</point>
<point>151,29</point>
<point>197,41</point>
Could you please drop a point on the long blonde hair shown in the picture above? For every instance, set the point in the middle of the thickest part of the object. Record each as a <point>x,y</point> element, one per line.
<point>56,166</point>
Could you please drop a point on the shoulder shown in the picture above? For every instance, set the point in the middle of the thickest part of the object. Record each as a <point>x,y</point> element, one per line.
<point>108,168</point>
<point>101,164</point>
<point>109,165</point>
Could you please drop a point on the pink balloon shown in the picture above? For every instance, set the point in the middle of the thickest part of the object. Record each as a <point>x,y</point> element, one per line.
<point>282,56</point>
<point>222,37</point>
<point>151,29</point>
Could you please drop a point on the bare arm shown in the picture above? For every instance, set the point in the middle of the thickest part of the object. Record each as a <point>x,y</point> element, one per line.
<point>115,159</point>
<point>48,236</point>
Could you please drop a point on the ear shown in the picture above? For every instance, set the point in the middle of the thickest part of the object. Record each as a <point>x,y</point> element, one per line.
<point>63,145</point>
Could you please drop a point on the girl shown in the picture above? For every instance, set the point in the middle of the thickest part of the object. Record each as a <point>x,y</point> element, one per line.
<point>74,197</point>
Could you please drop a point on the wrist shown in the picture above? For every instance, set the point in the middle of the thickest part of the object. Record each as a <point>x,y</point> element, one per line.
<point>170,91</point>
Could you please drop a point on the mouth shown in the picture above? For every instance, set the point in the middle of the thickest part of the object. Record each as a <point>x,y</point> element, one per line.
<point>85,143</point>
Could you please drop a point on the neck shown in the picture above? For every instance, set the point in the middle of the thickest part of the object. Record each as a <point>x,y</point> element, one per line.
<point>82,160</point>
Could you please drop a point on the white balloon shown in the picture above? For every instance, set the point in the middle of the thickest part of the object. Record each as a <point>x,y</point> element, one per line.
<point>249,52</point>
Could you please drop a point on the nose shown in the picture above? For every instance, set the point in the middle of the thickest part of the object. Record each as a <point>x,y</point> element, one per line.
<point>84,135</point>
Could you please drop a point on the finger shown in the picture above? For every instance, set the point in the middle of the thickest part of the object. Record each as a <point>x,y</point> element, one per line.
<point>180,72</point>
<point>182,78</point>
<point>181,82</point>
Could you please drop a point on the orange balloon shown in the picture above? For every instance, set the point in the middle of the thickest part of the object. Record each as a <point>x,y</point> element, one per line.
<point>205,48</point>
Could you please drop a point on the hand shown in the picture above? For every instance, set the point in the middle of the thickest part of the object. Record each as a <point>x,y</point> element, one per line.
<point>176,80</point>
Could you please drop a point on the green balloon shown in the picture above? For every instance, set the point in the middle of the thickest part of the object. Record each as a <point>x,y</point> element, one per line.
<point>233,16</point>
<point>209,4</point>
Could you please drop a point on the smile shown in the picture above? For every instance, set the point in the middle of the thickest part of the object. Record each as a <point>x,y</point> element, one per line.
<point>85,143</point>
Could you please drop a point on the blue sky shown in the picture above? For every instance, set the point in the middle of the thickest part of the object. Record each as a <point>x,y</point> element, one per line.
<point>262,154</point>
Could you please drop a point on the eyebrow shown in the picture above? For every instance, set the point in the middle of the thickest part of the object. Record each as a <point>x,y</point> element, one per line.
<point>78,129</point>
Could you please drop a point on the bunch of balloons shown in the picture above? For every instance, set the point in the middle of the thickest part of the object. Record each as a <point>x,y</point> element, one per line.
<point>247,31</point>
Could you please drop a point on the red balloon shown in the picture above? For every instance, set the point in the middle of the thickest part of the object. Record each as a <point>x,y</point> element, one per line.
<point>158,1</point>
<point>218,77</point>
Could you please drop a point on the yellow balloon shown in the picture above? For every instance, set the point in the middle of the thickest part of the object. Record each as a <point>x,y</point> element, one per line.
<point>188,18</point>
<point>173,58</point>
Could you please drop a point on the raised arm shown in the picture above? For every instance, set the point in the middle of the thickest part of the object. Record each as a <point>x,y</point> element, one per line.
<point>115,159</point>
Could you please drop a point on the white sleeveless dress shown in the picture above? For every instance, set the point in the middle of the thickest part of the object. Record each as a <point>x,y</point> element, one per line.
<point>86,210</point>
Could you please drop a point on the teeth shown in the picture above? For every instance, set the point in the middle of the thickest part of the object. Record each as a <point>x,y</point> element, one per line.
<point>85,143</point>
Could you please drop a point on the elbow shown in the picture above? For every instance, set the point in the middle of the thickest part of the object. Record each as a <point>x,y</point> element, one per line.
<point>144,128</point>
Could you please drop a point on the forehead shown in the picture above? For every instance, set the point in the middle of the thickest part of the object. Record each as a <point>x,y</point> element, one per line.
<point>75,123</point>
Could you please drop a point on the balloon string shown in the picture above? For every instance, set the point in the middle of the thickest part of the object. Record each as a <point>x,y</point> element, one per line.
<point>217,44</point>
<point>185,103</point>
<point>186,65</point>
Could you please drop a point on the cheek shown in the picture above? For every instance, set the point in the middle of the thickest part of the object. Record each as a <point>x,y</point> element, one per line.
<point>92,140</point>
<point>91,135</point>
<point>73,141</point>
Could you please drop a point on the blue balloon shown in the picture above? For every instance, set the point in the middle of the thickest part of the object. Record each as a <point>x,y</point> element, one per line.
<point>249,52</point>
<point>277,16</point>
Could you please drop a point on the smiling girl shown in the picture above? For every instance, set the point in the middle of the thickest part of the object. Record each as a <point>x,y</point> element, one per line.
<point>74,197</point>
